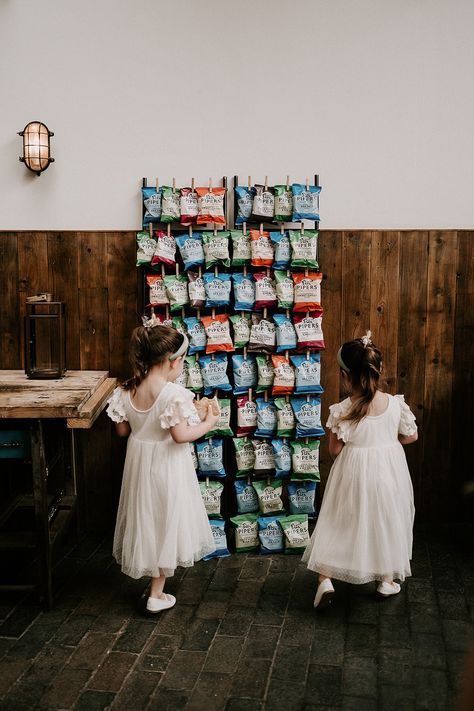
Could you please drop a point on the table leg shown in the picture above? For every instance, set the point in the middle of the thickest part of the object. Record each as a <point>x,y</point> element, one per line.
<point>39,473</point>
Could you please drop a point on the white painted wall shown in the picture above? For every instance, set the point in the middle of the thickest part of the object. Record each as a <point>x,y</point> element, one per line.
<point>375,95</point>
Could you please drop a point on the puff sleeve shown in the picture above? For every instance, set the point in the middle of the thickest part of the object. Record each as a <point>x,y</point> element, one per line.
<point>407,425</point>
<point>179,406</point>
<point>341,429</point>
<point>116,406</point>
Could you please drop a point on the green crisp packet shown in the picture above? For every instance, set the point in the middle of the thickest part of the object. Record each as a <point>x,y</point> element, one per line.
<point>194,380</point>
<point>241,251</point>
<point>244,456</point>
<point>283,203</point>
<point>286,421</point>
<point>170,205</point>
<point>285,289</point>
<point>241,326</point>
<point>269,496</point>
<point>265,372</point>
<point>216,248</point>
<point>222,427</point>
<point>211,492</point>
<point>296,532</point>
<point>246,532</point>
<point>304,248</point>
<point>146,246</point>
<point>305,460</point>
<point>177,290</point>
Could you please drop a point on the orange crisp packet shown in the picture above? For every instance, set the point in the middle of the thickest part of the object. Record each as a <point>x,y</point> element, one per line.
<point>210,206</point>
<point>261,249</point>
<point>218,333</point>
<point>307,291</point>
<point>284,382</point>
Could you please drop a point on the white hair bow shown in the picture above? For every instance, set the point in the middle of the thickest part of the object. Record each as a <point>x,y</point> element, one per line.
<point>367,339</point>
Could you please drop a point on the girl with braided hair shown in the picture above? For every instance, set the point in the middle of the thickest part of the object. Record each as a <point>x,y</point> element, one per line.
<point>364,528</point>
<point>161,519</point>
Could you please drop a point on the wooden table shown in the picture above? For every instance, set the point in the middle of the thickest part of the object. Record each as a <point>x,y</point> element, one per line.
<point>75,401</point>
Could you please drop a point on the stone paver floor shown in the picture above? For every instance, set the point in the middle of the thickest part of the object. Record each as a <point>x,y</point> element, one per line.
<point>243,637</point>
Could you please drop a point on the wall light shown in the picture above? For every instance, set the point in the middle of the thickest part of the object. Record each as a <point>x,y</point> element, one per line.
<point>36,146</point>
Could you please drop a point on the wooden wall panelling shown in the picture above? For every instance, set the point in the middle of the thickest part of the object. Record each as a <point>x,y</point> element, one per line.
<point>463,386</point>
<point>93,301</point>
<point>384,292</point>
<point>412,341</point>
<point>356,255</point>
<point>330,258</point>
<point>10,342</point>
<point>439,363</point>
<point>62,262</point>
<point>33,274</point>
<point>123,297</point>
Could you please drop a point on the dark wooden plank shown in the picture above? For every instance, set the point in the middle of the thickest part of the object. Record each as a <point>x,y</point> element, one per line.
<point>330,258</point>
<point>356,285</point>
<point>385,256</point>
<point>10,323</point>
<point>62,261</point>
<point>93,301</point>
<point>439,364</point>
<point>463,386</point>
<point>412,340</point>
<point>123,295</point>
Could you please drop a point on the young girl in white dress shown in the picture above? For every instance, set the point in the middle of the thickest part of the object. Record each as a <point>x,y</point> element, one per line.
<point>161,519</point>
<point>365,527</point>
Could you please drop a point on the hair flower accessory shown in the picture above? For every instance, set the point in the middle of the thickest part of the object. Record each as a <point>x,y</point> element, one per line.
<point>367,339</point>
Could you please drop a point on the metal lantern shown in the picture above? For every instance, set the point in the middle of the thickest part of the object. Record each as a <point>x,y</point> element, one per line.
<point>36,146</point>
<point>45,339</point>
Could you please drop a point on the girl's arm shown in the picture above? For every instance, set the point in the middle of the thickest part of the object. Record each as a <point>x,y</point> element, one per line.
<point>407,439</point>
<point>182,432</point>
<point>122,429</point>
<point>335,445</point>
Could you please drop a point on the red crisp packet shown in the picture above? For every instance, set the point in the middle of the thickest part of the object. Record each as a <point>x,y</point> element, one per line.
<point>307,291</point>
<point>189,206</point>
<point>246,416</point>
<point>284,382</point>
<point>218,333</point>
<point>309,330</point>
<point>265,292</point>
<point>261,249</point>
<point>165,251</point>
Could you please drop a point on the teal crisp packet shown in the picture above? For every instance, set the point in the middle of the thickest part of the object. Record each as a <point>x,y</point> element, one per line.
<point>270,534</point>
<point>305,202</point>
<point>282,454</point>
<point>220,540</point>
<point>307,373</point>
<point>151,206</point>
<point>247,499</point>
<point>210,457</point>
<point>301,495</point>
<point>246,532</point>
<point>308,416</point>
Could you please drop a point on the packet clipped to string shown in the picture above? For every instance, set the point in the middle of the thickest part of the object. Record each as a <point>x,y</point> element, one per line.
<point>304,249</point>
<point>218,333</point>
<point>295,529</point>
<point>266,418</point>
<point>308,416</point>
<point>301,497</point>
<point>196,334</point>
<point>265,373</point>
<point>283,203</point>
<point>210,206</point>
<point>211,494</point>
<point>146,246</point>
<point>246,417</point>
<point>309,330</point>
<point>262,335</point>
<point>157,291</point>
<point>269,496</point>
<point>246,532</point>
<point>264,459</point>
<point>282,455</point>
<point>307,374</point>
<point>151,206</point>
<point>241,326</point>
<point>263,208</point>
<point>177,291</point>
<point>284,381</point>
<point>305,460</point>
<point>244,200</point>
<point>244,291</point>
<point>305,202</point>
<point>216,248</point>
<point>261,249</point>
<point>196,290</point>
<point>286,421</point>
<point>285,333</point>
<point>170,205</point>
<point>188,205</point>
<point>270,534</point>
<point>247,500</point>
<point>222,427</point>
<point>285,290</point>
<point>214,373</point>
<point>191,249</point>
<point>281,248</point>
<point>241,251</point>
<point>217,288</point>
<point>307,291</point>
<point>244,456</point>
<point>194,381</point>
<point>265,291</point>
<point>165,251</point>
<point>220,540</point>
<point>245,373</point>
<point>210,456</point>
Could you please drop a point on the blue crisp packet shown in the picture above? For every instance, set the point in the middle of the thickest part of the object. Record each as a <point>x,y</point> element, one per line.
<point>305,202</point>
<point>247,499</point>
<point>210,456</point>
<point>285,333</point>
<point>244,291</point>
<point>217,289</point>
<point>270,534</point>
<point>282,455</point>
<point>266,418</point>
<point>191,249</point>
<point>220,540</point>
<point>308,416</point>
<point>301,495</point>
<point>245,373</point>
<point>244,198</point>
<point>307,373</point>
<point>196,334</point>
<point>152,205</point>
<point>214,373</point>
<point>282,250</point>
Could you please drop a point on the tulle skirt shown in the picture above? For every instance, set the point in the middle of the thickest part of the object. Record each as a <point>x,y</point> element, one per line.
<point>161,519</point>
<point>364,530</point>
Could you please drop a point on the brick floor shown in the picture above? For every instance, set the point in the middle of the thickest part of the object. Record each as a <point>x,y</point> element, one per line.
<point>242,637</point>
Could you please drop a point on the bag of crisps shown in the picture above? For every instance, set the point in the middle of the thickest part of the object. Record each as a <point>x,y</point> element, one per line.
<point>261,249</point>
<point>284,381</point>
<point>158,295</point>
<point>210,206</point>
<point>218,333</point>
<point>307,291</point>
<point>305,202</point>
<point>244,201</point>
<point>188,204</point>
<point>165,251</point>
<point>170,205</point>
<point>151,206</point>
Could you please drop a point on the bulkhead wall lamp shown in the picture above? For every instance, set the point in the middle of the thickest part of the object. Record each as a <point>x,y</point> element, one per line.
<point>36,146</point>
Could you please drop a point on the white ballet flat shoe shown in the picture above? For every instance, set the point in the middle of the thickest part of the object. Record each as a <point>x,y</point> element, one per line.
<point>324,594</point>
<point>387,589</point>
<point>158,604</point>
